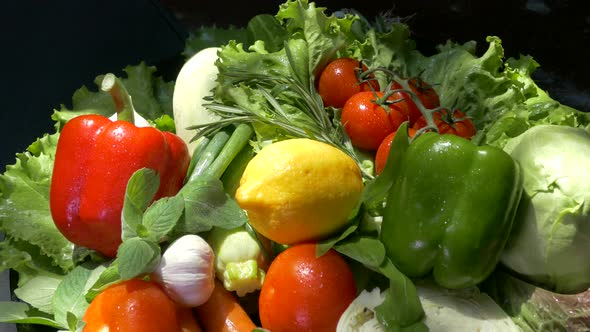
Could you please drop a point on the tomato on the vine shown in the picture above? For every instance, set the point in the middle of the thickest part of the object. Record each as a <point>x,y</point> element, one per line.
<point>457,124</point>
<point>406,105</point>
<point>383,150</point>
<point>302,292</point>
<point>366,122</point>
<point>339,80</point>
<point>137,305</point>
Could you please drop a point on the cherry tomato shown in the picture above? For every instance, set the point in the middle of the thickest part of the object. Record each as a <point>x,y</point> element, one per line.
<point>302,292</point>
<point>459,124</point>
<point>136,305</point>
<point>338,81</point>
<point>425,93</point>
<point>365,122</point>
<point>397,118</point>
<point>383,150</point>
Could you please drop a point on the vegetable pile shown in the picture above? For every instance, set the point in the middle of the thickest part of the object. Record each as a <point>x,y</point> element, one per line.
<point>310,172</point>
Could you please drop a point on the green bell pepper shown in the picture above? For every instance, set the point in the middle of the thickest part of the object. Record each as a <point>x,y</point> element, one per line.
<point>450,209</point>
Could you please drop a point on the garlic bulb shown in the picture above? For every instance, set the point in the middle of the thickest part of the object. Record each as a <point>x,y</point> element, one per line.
<point>187,271</point>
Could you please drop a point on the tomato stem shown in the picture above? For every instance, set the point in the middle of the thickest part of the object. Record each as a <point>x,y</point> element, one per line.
<point>123,104</point>
<point>388,92</point>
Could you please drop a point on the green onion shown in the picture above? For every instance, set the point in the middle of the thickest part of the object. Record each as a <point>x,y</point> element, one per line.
<point>238,140</point>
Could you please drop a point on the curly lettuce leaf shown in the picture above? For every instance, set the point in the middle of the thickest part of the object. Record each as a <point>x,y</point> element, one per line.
<point>205,37</point>
<point>25,217</point>
<point>539,108</point>
<point>498,94</point>
<point>325,35</point>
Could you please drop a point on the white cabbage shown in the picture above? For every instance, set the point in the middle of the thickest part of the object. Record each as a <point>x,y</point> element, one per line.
<point>467,310</point>
<point>550,241</point>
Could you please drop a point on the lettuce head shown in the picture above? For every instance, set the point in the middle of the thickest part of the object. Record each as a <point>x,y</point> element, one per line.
<point>551,236</point>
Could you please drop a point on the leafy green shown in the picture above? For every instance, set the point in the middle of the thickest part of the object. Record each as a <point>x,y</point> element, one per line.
<point>140,192</point>
<point>401,309</point>
<point>24,208</point>
<point>137,256</point>
<point>538,109</point>
<point>19,312</point>
<point>161,217</point>
<point>205,37</point>
<point>164,123</point>
<point>268,29</point>
<point>207,205</point>
<point>38,291</point>
<point>69,297</point>
<point>536,309</point>
<point>152,96</point>
<point>324,35</point>
<point>274,83</point>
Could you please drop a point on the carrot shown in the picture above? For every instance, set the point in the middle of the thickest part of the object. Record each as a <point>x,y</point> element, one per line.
<point>188,322</point>
<point>223,313</point>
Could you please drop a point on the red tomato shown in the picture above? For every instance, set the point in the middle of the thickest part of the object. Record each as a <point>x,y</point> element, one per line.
<point>302,292</point>
<point>425,93</point>
<point>365,122</point>
<point>136,305</point>
<point>458,124</point>
<point>339,80</point>
<point>383,150</point>
<point>397,118</point>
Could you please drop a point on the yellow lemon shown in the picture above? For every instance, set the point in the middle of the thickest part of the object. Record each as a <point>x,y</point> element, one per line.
<point>299,190</point>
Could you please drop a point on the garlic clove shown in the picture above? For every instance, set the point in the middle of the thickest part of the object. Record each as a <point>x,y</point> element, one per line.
<point>187,271</point>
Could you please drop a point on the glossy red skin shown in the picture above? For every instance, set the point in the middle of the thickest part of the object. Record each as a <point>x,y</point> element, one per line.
<point>464,128</point>
<point>338,81</point>
<point>406,105</point>
<point>305,293</point>
<point>365,122</point>
<point>95,158</point>
<point>137,306</point>
<point>384,148</point>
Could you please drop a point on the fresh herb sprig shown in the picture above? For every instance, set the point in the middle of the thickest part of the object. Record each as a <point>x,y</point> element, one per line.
<point>316,123</point>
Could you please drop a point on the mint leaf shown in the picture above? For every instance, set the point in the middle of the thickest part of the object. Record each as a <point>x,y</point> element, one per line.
<point>141,189</point>
<point>161,217</point>
<point>206,204</point>
<point>109,276</point>
<point>137,256</point>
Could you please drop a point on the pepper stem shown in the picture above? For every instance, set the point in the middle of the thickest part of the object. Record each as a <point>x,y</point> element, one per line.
<point>123,104</point>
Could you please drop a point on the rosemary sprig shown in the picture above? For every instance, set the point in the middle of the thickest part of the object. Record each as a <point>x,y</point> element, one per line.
<point>317,123</point>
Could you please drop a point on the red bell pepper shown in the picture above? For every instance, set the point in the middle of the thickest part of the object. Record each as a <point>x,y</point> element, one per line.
<point>95,158</point>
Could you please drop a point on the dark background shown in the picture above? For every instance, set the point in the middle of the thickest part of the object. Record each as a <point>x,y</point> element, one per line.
<point>50,49</point>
